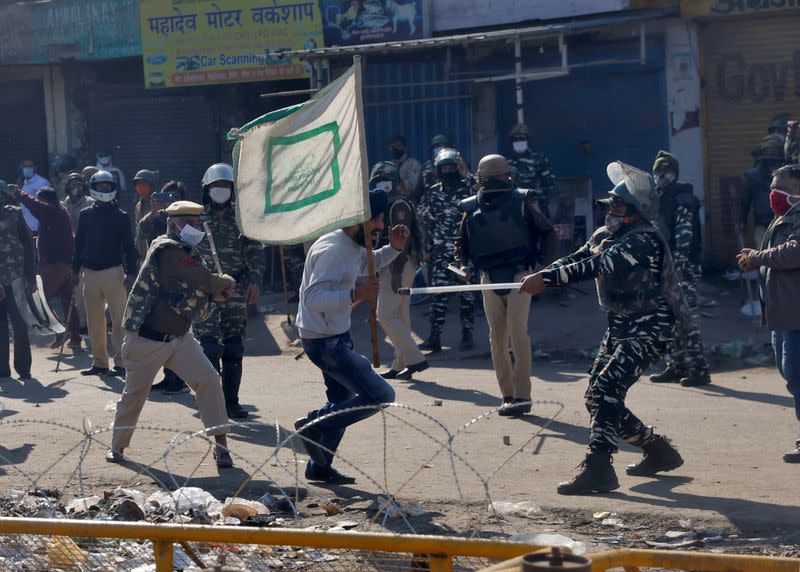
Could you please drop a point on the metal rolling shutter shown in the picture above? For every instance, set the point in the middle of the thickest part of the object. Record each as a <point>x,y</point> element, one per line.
<point>23,131</point>
<point>752,73</point>
<point>175,135</point>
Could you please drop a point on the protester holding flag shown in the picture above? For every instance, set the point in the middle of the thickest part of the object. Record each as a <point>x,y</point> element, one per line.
<point>327,294</point>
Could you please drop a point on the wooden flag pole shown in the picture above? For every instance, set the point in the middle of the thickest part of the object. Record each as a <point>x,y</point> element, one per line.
<point>373,304</point>
<point>285,287</point>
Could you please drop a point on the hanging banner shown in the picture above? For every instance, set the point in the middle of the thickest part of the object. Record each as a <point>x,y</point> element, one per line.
<point>352,22</point>
<point>301,171</point>
<point>200,42</point>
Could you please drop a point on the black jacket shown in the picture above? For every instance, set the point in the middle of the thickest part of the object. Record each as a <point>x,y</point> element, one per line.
<point>104,239</point>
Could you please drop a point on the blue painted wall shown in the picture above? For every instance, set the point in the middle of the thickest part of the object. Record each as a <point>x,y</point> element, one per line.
<point>417,122</point>
<point>620,109</point>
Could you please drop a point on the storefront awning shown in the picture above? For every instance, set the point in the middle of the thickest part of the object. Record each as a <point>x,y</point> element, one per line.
<point>526,33</point>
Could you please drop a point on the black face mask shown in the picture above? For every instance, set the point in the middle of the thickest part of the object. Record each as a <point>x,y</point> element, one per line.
<point>397,153</point>
<point>450,179</point>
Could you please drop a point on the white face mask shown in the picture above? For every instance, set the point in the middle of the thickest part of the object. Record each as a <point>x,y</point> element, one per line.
<point>384,186</point>
<point>106,160</point>
<point>103,197</point>
<point>190,236</point>
<point>219,195</point>
<point>519,146</point>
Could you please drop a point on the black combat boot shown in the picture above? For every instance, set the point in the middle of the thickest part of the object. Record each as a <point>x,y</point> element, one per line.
<point>659,456</point>
<point>695,378</point>
<point>669,375</point>
<point>433,344</point>
<point>793,456</point>
<point>596,475</point>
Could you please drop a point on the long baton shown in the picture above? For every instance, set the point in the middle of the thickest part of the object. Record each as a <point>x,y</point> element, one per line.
<point>213,245</point>
<point>460,288</point>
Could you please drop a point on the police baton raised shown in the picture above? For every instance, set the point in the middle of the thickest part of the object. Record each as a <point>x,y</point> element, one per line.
<point>213,245</point>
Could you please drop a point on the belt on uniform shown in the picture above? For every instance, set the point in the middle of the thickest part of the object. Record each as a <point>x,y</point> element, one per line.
<point>150,334</point>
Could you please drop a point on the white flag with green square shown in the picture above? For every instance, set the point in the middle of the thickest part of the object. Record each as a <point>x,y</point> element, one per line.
<point>302,171</point>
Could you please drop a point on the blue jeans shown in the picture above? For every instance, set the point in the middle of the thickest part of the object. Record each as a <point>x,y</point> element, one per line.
<point>786,344</point>
<point>349,382</point>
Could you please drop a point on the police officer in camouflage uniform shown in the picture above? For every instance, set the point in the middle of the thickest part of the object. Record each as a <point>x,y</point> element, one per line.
<point>680,220</point>
<point>440,213</point>
<point>222,332</point>
<point>531,169</point>
<point>638,287</point>
<point>172,290</point>
<point>145,183</point>
<point>430,176</point>
<point>17,260</point>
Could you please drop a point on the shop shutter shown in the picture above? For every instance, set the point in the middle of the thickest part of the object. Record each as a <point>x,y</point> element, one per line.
<point>752,73</point>
<point>23,131</point>
<point>175,135</point>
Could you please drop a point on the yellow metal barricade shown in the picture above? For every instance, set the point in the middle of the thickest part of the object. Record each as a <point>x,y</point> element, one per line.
<point>69,545</point>
<point>632,560</point>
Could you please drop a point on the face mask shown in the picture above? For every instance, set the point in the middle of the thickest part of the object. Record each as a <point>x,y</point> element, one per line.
<point>27,172</point>
<point>105,160</point>
<point>384,186</point>
<point>614,222</point>
<point>103,197</point>
<point>450,179</point>
<point>664,179</point>
<point>219,195</point>
<point>190,236</point>
<point>519,146</point>
<point>780,201</point>
<point>397,153</point>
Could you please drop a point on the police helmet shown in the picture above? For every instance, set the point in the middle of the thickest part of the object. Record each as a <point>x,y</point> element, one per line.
<point>634,187</point>
<point>217,172</point>
<point>520,131</point>
<point>448,156</point>
<point>106,195</point>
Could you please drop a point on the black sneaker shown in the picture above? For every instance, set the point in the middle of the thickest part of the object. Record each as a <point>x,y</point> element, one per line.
<point>669,375</point>
<point>119,371</point>
<point>596,475</point>
<point>389,374</point>
<point>24,376</point>
<point>327,475</point>
<point>310,436</point>
<point>174,387</point>
<point>659,456</point>
<point>408,372</point>
<point>223,458</point>
<point>113,456</point>
<point>94,370</point>
<point>160,386</point>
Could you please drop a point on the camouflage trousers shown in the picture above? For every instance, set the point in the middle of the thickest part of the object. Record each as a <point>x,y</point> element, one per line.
<point>295,259</point>
<point>618,365</point>
<point>226,319</point>
<point>441,276</point>
<point>686,353</point>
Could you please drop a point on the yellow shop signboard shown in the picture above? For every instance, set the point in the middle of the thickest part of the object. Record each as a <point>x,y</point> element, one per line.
<point>201,42</point>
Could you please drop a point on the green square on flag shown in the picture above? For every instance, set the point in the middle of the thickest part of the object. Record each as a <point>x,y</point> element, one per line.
<point>306,158</point>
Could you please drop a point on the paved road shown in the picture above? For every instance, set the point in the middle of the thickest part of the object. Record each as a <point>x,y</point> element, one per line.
<point>732,434</point>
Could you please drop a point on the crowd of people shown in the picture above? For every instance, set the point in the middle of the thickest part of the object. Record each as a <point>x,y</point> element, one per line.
<point>176,285</point>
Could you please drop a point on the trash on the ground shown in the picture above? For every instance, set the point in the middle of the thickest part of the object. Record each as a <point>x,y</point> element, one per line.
<point>347,524</point>
<point>82,505</point>
<point>64,554</point>
<point>437,402</point>
<point>111,406</point>
<point>15,495</point>
<point>332,509</point>
<point>128,510</point>
<point>269,500</point>
<point>615,522</point>
<point>687,523</point>
<point>187,498</point>
<point>547,539</point>
<point>242,508</point>
<point>391,508</point>
<point>136,496</point>
<point>601,514</point>
<point>611,539</point>
<point>506,440</point>
<point>523,508</point>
